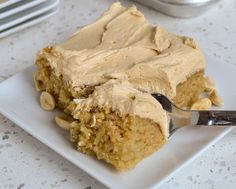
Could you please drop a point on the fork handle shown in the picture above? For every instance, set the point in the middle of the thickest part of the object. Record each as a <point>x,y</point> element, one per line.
<point>217,118</point>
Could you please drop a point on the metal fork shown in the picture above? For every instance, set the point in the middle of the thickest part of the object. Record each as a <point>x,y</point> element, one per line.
<point>180,118</point>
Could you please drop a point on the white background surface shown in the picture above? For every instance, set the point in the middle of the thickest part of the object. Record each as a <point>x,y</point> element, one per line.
<point>26,163</point>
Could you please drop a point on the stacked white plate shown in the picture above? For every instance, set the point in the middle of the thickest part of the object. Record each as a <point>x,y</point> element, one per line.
<point>16,15</point>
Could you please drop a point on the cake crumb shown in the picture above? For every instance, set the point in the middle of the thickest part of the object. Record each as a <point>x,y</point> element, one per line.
<point>201,104</point>
<point>215,98</point>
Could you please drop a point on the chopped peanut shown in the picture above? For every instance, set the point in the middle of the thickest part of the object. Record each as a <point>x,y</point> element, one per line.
<point>47,101</point>
<point>38,84</point>
<point>201,104</point>
<point>64,121</point>
<point>215,98</point>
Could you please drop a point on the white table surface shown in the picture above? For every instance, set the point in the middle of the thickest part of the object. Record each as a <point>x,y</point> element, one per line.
<point>27,163</point>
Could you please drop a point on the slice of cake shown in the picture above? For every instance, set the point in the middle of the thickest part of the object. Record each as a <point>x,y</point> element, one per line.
<point>119,124</point>
<point>102,78</point>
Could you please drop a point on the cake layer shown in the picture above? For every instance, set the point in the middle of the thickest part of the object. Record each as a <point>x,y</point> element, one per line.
<point>120,141</point>
<point>190,90</point>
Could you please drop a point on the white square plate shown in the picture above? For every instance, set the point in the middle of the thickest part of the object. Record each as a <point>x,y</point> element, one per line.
<point>19,102</point>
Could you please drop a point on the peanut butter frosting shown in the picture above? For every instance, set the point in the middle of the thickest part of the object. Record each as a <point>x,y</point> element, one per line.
<point>124,99</point>
<point>122,44</point>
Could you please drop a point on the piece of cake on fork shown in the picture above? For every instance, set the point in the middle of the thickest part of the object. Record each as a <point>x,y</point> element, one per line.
<point>119,124</point>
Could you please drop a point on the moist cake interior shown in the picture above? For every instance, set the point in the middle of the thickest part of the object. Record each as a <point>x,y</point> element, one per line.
<point>122,142</point>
